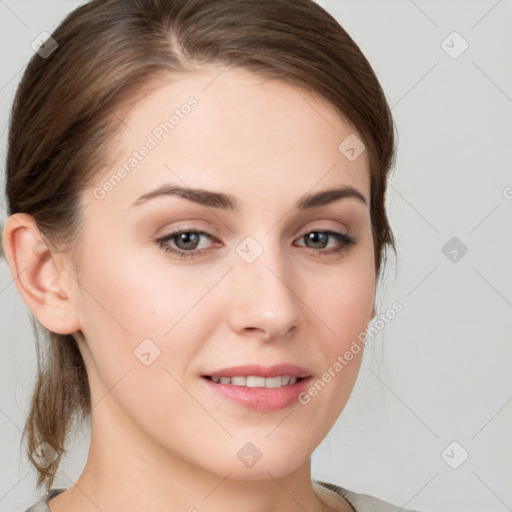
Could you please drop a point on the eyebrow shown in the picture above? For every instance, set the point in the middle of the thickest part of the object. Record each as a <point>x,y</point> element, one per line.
<point>224,201</point>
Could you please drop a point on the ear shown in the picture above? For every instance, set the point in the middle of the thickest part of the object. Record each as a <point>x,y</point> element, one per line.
<point>37,269</point>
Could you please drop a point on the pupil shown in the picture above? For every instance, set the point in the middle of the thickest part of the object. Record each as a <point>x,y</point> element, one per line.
<point>185,237</point>
<point>314,237</point>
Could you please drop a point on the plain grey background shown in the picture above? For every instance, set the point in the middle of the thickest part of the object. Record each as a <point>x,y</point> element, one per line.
<point>435,386</point>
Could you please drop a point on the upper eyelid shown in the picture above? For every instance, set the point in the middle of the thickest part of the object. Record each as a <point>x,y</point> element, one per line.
<point>345,242</point>
<point>208,231</point>
<point>173,233</point>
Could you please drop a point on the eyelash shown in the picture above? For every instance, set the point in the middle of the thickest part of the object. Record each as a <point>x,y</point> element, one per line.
<point>346,243</point>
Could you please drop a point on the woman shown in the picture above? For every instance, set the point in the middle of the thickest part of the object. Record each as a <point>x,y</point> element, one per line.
<point>196,193</point>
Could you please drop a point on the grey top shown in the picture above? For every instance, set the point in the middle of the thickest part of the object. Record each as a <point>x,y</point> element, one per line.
<point>330,493</point>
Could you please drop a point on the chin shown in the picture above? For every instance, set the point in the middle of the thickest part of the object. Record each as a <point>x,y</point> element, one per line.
<point>260,458</point>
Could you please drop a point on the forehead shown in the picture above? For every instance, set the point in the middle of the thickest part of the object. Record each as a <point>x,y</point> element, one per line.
<point>231,129</point>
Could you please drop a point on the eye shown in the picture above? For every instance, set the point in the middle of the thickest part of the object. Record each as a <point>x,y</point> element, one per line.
<point>319,239</point>
<point>184,242</point>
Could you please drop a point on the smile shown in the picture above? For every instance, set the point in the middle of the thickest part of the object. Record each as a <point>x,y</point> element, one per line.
<point>253,381</point>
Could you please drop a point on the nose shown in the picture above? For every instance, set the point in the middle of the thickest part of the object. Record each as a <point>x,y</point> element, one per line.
<point>264,299</point>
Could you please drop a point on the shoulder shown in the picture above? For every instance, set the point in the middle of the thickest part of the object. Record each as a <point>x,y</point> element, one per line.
<point>360,502</point>
<point>42,504</point>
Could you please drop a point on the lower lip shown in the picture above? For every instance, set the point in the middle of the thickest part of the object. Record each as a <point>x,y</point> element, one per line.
<point>260,399</point>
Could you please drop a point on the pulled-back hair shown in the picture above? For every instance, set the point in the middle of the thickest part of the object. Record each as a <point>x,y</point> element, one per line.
<point>68,106</point>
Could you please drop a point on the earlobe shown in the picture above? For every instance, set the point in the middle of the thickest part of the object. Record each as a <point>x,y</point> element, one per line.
<point>42,281</point>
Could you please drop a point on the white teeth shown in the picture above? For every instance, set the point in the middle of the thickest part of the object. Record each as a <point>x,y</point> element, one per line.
<point>252,381</point>
<point>255,382</point>
<point>273,382</point>
<point>239,381</point>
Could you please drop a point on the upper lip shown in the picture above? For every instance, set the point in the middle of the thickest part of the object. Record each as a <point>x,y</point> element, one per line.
<point>261,371</point>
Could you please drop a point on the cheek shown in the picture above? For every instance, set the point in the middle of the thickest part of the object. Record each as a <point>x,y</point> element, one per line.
<point>344,303</point>
<point>344,298</point>
<point>146,319</point>
<point>140,327</point>
<point>134,297</point>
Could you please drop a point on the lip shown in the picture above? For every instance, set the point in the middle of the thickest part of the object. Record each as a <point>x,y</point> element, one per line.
<point>261,371</point>
<point>260,399</point>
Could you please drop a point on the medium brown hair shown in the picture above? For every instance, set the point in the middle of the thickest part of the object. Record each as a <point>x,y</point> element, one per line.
<point>68,106</point>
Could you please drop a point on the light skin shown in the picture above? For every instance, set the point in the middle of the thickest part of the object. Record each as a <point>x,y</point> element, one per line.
<point>161,440</point>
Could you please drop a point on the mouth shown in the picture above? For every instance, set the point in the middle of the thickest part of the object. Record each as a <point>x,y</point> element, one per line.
<point>255,381</point>
<point>259,388</point>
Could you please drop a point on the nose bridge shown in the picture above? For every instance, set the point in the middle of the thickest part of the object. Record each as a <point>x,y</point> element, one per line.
<point>265,299</point>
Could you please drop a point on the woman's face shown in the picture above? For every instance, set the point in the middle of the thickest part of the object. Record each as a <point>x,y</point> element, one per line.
<point>253,282</point>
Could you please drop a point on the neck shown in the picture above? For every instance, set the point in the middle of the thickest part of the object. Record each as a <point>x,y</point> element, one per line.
<point>146,477</point>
